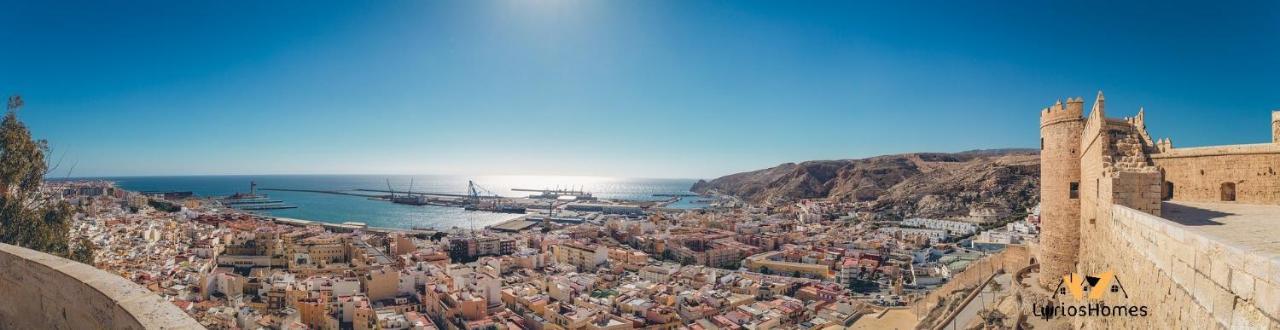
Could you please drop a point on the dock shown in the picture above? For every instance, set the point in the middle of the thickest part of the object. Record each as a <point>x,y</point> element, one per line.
<point>265,207</point>
<point>428,193</point>
<point>346,227</point>
<point>252,201</point>
<point>331,192</point>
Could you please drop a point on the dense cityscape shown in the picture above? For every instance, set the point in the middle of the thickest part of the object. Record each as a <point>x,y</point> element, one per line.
<point>808,265</point>
<point>655,165</point>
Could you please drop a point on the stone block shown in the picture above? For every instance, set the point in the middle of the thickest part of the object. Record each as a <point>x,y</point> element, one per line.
<point>1267,298</point>
<point>1235,258</point>
<point>1203,265</point>
<point>1186,253</point>
<point>1220,273</point>
<point>1224,303</point>
<point>1242,285</point>
<point>1202,290</point>
<point>1247,316</point>
<point>1273,275</point>
<point>1163,257</point>
<point>1258,265</point>
<point>1183,274</point>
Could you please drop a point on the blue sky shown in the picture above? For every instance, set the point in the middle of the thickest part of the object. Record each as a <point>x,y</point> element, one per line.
<point>691,89</point>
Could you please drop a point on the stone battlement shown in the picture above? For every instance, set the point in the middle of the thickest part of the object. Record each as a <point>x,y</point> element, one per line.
<point>1236,149</point>
<point>42,291</point>
<point>1072,110</point>
<point>1275,126</point>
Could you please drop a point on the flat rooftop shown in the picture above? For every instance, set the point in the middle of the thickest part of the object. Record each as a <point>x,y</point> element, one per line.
<point>1246,225</point>
<point>514,225</point>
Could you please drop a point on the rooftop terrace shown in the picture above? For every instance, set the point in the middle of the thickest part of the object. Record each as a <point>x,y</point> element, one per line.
<point>1253,227</point>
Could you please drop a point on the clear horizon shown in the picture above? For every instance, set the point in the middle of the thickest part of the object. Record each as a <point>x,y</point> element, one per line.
<point>661,89</point>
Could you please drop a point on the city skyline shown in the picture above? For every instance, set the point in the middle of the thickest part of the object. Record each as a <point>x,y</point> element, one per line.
<point>652,89</point>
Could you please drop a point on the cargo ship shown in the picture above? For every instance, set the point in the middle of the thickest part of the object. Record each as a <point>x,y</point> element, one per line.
<point>251,201</point>
<point>411,200</point>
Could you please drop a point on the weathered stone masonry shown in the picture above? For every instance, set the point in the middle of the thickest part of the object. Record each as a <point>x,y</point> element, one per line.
<point>41,291</point>
<point>1102,184</point>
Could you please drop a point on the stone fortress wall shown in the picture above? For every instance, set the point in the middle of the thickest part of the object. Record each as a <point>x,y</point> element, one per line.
<point>1198,174</point>
<point>1009,260</point>
<point>1189,279</point>
<point>42,291</point>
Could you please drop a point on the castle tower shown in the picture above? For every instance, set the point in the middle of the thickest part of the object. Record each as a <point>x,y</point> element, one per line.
<point>1060,129</point>
<point>1275,126</point>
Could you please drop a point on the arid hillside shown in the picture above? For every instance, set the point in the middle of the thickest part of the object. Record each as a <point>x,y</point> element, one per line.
<point>917,184</point>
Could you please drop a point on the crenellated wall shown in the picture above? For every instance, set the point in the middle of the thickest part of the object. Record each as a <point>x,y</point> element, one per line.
<point>42,291</point>
<point>1198,174</point>
<point>1188,279</point>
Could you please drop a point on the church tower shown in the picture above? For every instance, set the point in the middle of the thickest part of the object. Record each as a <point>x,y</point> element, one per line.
<point>1060,129</point>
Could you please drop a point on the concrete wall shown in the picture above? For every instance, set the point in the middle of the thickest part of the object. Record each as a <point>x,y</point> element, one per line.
<point>1189,280</point>
<point>41,291</point>
<point>1197,174</point>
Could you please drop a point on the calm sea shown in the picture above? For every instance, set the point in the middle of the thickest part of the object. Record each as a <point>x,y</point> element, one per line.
<point>338,208</point>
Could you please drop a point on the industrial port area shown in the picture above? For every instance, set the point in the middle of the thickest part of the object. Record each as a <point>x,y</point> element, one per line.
<point>548,206</point>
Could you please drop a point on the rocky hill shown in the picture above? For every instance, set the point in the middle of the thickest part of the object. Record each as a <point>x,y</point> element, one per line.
<point>918,184</point>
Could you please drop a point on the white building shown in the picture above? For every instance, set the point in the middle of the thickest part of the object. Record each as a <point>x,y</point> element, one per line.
<point>934,235</point>
<point>957,228</point>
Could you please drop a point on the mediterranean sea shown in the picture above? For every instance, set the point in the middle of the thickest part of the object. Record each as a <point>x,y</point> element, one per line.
<point>378,213</point>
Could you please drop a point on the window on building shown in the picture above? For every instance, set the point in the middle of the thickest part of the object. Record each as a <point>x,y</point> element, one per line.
<point>1075,190</point>
<point>1228,191</point>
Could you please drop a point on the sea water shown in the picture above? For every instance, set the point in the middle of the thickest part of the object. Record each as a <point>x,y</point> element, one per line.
<point>380,213</point>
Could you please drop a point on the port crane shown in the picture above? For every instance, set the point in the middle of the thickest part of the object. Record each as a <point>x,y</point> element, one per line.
<point>475,192</point>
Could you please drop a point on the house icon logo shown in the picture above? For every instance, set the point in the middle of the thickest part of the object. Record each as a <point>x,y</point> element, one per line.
<point>1081,296</point>
<point>1092,287</point>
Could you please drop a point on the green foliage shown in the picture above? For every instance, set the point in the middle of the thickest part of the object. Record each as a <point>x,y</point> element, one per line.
<point>863,286</point>
<point>27,218</point>
<point>603,293</point>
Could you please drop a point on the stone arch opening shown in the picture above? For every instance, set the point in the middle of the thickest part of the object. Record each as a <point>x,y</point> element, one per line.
<point>1168,191</point>
<point>1228,191</point>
